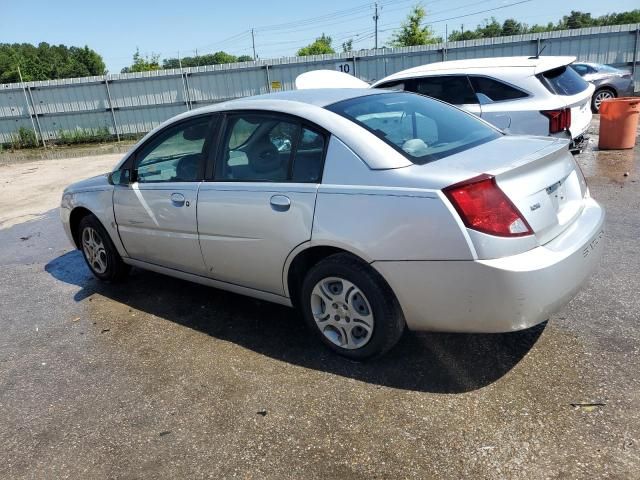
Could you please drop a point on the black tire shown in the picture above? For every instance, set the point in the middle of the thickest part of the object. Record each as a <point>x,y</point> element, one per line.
<point>595,109</point>
<point>389,323</point>
<point>116,270</point>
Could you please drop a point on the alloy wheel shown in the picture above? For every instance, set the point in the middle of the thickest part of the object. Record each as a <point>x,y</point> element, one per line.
<point>342,312</point>
<point>600,97</point>
<point>94,250</point>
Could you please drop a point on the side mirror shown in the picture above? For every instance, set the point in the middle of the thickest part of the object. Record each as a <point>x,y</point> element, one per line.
<point>120,177</point>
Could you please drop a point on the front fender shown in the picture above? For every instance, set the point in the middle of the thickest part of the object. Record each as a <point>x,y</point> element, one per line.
<point>100,204</point>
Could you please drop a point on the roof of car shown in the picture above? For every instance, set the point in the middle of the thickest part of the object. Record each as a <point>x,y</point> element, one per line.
<point>309,105</point>
<point>538,64</point>
<point>320,97</point>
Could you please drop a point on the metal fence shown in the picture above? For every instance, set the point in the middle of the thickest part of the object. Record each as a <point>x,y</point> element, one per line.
<point>134,103</point>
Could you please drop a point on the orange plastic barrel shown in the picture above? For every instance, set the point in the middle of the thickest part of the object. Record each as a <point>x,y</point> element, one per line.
<point>618,123</point>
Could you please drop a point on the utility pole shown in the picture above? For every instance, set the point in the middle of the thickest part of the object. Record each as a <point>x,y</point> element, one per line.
<point>375,19</point>
<point>253,41</point>
<point>462,28</point>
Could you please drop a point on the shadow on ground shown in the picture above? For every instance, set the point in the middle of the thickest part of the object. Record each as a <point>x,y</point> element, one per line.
<point>429,362</point>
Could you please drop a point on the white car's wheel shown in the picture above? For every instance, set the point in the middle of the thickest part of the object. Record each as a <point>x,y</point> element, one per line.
<point>351,307</point>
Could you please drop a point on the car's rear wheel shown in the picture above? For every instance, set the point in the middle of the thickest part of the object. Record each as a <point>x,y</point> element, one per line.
<point>599,96</point>
<point>99,252</point>
<point>351,308</point>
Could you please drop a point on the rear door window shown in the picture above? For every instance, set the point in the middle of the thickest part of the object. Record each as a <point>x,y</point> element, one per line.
<point>261,147</point>
<point>495,90</point>
<point>454,89</point>
<point>563,81</point>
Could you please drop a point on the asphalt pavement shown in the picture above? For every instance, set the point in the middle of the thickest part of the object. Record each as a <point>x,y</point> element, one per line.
<point>161,378</point>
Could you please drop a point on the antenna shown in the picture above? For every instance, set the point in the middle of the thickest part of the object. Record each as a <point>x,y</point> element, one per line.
<point>539,52</point>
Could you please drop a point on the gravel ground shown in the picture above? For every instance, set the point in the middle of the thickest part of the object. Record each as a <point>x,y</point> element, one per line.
<point>160,378</point>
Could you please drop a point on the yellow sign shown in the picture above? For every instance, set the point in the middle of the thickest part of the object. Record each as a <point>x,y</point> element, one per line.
<point>276,85</point>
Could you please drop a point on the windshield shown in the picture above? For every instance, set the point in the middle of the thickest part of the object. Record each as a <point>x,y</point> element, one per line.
<point>421,128</point>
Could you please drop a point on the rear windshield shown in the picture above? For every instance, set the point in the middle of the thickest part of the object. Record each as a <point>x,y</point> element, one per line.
<point>563,81</point>
<point>421,128</point>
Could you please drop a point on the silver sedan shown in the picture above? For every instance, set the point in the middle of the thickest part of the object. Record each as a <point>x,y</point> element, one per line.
<point>370,211</point>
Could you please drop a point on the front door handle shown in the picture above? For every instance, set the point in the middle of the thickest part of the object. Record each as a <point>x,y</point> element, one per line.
<point>177,199</point>
<point>280,203</point>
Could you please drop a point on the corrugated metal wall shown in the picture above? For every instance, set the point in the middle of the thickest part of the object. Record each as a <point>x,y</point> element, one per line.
<point>135,103</point>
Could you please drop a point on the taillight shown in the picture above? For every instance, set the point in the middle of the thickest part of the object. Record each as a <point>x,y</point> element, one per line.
<point>559,120</point>
<point>485,208</point>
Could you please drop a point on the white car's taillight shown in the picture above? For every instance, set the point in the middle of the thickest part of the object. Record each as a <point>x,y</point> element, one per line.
<point>485,208</point>
<point>559,120</point>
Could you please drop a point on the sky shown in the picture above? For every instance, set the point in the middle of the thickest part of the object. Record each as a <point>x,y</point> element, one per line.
<point>169,27</point>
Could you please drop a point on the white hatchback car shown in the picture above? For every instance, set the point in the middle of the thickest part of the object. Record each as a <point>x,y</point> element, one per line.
<point>368,209</point>
<point>519,95</point>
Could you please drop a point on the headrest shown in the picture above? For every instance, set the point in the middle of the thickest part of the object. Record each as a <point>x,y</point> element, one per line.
<point>195,132</point>
<point>264,157</point>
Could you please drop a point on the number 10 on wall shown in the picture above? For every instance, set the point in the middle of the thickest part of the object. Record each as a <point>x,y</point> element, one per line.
<point>345,67</point>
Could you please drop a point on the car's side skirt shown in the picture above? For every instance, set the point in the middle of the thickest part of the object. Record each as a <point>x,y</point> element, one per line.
<point>210,282</point>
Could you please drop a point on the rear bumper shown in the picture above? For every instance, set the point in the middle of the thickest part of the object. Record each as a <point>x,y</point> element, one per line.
<point>500,295</point>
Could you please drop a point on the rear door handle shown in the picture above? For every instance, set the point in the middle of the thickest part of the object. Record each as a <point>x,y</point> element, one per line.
<point>177,199</point>
<point>280,203</point>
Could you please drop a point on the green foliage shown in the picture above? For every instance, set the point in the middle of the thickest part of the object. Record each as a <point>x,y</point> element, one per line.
<point>24,138</point>
<point>412,32</point>
<point>142,63</point>
<point>320,46</point>
<point>83,135</point>
<point>576,19</point>
<point>47,62</point>
<point>347,46</point>
<point>209,59</point>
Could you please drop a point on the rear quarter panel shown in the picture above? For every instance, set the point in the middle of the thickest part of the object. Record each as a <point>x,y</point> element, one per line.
<point>382,214</point>
<point>388,225</point>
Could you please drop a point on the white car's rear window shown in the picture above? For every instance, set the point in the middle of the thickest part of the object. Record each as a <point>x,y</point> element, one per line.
<point>421,128</point>
<point>563,81</point>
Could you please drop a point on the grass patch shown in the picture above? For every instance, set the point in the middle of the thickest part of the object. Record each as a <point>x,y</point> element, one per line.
<point>83,135</point>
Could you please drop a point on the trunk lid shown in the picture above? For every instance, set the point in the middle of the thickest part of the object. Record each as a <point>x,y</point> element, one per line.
<point>538,174</point>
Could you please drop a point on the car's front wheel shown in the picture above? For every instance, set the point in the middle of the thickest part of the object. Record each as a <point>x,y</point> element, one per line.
<point>600,96</point>
<point>351,308</point>
<point>99,252</point>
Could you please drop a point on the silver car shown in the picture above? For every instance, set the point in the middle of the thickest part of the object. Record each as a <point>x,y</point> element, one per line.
<point>610,82</point>
<point>369,210</point>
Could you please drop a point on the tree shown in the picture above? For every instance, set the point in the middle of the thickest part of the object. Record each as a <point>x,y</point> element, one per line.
<point>411,32</point>
<point>512,27</point>
<point>347,46</point>
<point>142,63</point>
<point>47,62</point>
<point>458,35</point>
<point>577,19</point>
<point>490,28</point>
<point>320,46</point>
<point>632,16</point>
<point>208,59</point>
